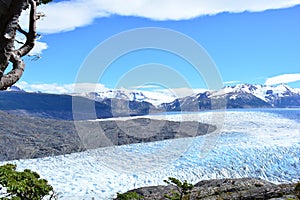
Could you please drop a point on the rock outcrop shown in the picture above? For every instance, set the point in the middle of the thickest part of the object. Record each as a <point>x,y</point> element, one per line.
<point>28,137</point>
<point>226,189</point>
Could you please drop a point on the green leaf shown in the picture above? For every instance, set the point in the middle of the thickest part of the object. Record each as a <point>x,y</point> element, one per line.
<point>23,185</point>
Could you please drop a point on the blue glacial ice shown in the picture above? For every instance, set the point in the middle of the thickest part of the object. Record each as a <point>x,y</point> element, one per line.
<point>248,143</point>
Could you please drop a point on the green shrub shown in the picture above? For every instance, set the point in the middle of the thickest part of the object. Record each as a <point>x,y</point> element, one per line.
<point>183,189</point>
<point>297,190</point>
<point>129,196</point>
<point>25,185</point>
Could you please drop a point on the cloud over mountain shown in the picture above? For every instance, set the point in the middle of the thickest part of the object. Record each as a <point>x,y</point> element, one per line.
<point>60,88</point>
<point>284,78</point>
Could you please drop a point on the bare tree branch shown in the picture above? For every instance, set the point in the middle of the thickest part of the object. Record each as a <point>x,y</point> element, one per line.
<point>31,35</point>
<point>40,15</point>
<point>15,74</point>
<point>22,31</point>
<point>7,39</point>
<point>8,25</point>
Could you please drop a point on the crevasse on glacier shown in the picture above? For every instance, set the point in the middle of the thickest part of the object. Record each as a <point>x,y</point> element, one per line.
<point>248,143</point>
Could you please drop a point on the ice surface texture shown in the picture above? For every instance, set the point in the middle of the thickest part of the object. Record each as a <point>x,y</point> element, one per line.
<point>249,143</point>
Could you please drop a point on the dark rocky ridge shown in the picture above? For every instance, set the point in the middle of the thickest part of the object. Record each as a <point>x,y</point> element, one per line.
<point>61,107</point>
<point>226,189</point>
<point>92,106</point>
<point>28,137</point>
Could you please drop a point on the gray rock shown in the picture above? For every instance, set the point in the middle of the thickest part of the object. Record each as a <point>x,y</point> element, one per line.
<point>29,137</point>
<point>226,189</point>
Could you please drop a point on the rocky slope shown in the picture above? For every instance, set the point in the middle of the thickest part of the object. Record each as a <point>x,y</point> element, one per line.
<point>227,189</point>
<point>27,137</point>
<point>61,107</point>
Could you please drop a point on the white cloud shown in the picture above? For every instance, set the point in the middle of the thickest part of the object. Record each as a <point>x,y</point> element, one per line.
<point>231,82</point>
<point>284,78</point>
<point>68,15</point>
<point>55,88</point>
<point>187,9</point>
<point>38,48</point>
<point>145,87</point>
<point>182,92</point>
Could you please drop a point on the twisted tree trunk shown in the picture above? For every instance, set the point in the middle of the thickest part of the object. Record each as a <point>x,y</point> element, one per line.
<point>10,11</point>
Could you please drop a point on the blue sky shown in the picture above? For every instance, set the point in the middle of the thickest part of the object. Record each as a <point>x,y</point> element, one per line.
<point>257,43</point>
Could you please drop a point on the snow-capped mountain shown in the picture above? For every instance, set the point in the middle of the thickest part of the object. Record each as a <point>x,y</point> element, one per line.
<point>15,89</point>
<point>110,103</point>
<point>277,96</point>
<point>238,96</point>
<point>266,93</point>
<point>155,98</point>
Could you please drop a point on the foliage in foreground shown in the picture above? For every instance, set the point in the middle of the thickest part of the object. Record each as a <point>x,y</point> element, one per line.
<point>25,185</point>
<point>297,189</point>
<point>129,196</point>
<point>183,189</point>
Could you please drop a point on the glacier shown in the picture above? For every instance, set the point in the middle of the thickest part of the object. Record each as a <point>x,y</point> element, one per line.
<point>260,143</point>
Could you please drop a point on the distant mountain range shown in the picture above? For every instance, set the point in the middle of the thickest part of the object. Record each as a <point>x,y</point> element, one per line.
<point>155,98</point>
<point>117,103</point>
<point>57,106</point>
<point>238,96</point>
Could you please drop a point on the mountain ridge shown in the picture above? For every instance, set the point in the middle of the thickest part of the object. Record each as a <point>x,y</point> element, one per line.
<point>118,103</point>
<point>157,98</point>
<point>238,96</point>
